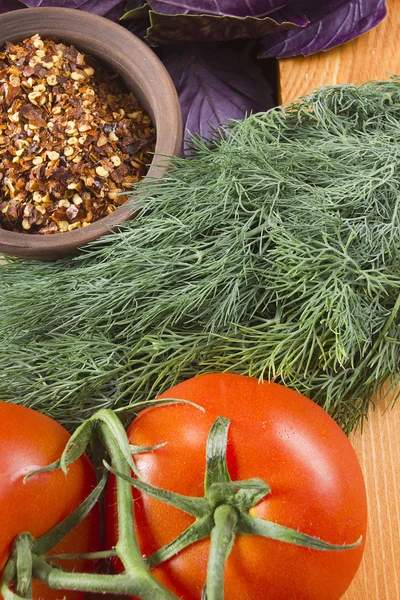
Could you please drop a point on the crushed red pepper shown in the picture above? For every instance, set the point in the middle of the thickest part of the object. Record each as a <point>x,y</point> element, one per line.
<point>72,139</point>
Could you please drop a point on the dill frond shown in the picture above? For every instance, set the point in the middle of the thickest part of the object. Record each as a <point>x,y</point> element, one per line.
<point>273,251</point>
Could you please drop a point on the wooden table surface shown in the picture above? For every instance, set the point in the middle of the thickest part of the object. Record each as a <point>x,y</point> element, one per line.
<point>375,55</point>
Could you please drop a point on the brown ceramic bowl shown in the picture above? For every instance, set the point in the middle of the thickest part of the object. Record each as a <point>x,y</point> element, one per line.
<point>142,72</point>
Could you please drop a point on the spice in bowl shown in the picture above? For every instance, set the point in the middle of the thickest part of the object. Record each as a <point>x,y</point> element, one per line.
<point>72,138</point>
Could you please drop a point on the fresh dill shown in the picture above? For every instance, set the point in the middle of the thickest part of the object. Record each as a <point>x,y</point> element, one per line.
<point>273,251</point>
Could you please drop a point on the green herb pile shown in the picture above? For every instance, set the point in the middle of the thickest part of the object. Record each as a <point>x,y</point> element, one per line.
<point>272,251</point>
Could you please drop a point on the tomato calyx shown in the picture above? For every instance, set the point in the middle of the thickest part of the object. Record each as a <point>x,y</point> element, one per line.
<point>222,513</point>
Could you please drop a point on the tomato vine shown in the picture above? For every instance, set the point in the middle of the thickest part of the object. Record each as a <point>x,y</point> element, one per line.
<point>224,512</point>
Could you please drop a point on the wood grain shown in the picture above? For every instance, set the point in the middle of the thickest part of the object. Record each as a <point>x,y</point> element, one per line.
<point>375,55</point>
<point>378,449</point>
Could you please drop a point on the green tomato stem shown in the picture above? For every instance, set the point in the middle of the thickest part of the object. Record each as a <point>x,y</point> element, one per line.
<point>47,541</point>
<point>113,584</point>
<point>87,555</point>
<point>136,579</point>
<point>24,565</point>
<point>197,507</point>
<point>127,547</point>
<point>216,467</point>
<point>199,530</point>
<point>112,433</point>
<point>249,525</point>
<point>222,538</point>
<point>7,578</point>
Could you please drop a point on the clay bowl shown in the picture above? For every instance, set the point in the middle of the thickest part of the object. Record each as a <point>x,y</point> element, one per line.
<point>143,73</point>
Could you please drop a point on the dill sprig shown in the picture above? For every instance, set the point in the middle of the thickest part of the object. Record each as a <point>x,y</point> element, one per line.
<point>273,250</point>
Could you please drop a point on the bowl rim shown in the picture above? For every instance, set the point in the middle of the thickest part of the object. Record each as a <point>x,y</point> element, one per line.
<point>54,22</point>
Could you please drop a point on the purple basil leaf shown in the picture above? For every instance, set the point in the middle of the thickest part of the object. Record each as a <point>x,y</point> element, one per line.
<point>9,5</point>
<point>133,4</point>
<point>139,26</point>
<point>135,10</point>
<point>331,23</point>
<point>136,18</point>
<point>220,8</point>
<point>186,21</point>
<point>215,85</point>
<point>112,9</point>
<point>170,29</point>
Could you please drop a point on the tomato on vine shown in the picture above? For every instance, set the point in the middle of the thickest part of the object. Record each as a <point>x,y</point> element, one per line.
<point>29,441</point>
<point>313,493</point>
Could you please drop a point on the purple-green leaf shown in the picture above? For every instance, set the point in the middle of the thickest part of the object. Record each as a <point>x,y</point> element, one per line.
<point>170,29</point>
<point>331,24</point>
<point>220,8</point>
<point>8,5</point>
<point>135,9</point>
<point>113,9</point>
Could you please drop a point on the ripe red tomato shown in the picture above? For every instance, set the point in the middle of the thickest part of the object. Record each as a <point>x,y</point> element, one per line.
<point>275,434</point>
<point>30,440</point>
